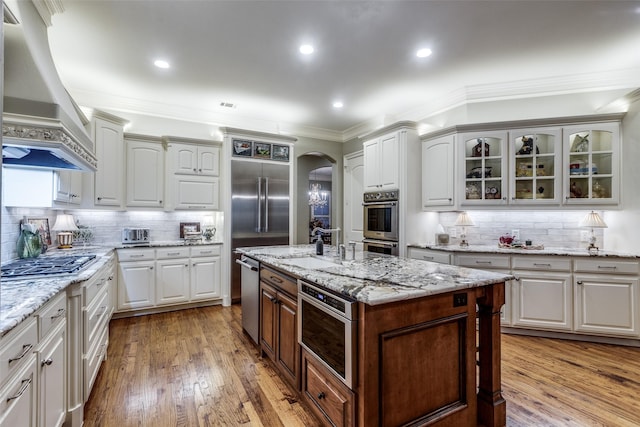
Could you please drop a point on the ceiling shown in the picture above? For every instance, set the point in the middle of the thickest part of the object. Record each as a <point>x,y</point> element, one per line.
<point>246,53</point>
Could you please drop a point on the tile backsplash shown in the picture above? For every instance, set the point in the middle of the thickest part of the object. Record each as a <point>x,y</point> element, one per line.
<point>105,225</point>
<point>549,228</point>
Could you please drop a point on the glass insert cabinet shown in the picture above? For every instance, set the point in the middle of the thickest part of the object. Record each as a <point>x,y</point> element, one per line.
<point>485,168</point>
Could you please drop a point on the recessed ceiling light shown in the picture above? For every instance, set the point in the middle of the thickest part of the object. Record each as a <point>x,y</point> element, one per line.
<point>338,104</point>
<point>227,104</point>
<point>306,49</point>
<point>161,63</point>
<point>423,53</point>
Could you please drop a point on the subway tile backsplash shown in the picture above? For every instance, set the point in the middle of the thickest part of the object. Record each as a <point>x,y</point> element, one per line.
<point>106,225</point>
<point>549,228</point>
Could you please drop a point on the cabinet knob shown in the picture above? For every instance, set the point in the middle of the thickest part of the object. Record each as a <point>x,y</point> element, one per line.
<point>160,202</point>
<point>47,362</point>
<point>321,395</point>
<point>199,170</point>
<point>579,282</point>
<point>99,198</point>
<point>195,170</point>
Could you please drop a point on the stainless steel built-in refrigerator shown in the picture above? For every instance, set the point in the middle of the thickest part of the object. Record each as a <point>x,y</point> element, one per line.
<point>259,209</point>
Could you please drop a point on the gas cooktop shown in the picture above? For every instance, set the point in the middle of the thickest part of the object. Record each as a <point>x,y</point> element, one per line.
<point>45,266</point>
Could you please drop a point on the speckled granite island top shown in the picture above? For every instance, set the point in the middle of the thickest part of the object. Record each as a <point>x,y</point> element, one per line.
<point>372,279</point>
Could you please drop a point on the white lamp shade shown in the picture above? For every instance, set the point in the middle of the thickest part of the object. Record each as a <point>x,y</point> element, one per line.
<point>64,222</point>
<point>593,220</point>
<point>464,220</point>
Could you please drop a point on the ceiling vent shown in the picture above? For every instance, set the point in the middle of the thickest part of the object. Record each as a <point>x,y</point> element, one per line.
<point>228,105</point>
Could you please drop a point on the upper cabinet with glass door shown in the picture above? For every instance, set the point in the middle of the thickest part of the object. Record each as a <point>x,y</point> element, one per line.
<point>591,164</point>
<point>484,168</point>
<point>533,162</point>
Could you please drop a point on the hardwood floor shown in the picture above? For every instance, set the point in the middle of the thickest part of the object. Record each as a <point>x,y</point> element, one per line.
<point>195,368</point>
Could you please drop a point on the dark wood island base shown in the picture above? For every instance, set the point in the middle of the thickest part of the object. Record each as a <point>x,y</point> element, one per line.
<point>417,361</point>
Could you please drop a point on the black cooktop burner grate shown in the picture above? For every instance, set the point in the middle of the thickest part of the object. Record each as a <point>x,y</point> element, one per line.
<point>45,266</point>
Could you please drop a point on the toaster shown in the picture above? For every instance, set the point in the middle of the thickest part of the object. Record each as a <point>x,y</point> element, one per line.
<point>135,235</point>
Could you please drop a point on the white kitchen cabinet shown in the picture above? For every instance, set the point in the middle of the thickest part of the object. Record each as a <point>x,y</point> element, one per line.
<point>606,297</point>
<point>108,134</point>
<point>535,166</point>
<point>67,187</point>
<point>172,275</point>
<point>381,167</point>
<point>136,278</point>
<point>52,381</point>
<point>441,257</point>
<point>205,273</point>
<point>483,173</point>
<point>542,300</point>
<point>592,164</point>
<point>191,159</point>
<point>18,397</point>
<point>145,172</point>
<point>192,179</point>
<point>438,172</point>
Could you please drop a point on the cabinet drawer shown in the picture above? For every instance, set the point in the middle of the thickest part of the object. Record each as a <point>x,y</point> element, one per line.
<point>429,255</point>
<point>598,265</point>
<point>52,314</point>
<point>327,395</point>
<point>93,360</point>
<point>136,254</point>
<point>279,280</point>
<point>17,346</point>
<point>93,316</point>
<point>482,261</point>
<point>94,285</point>
<point>169,253</point>
<point>541,263</point>
<point>205,251</point>
<point>18,398</point>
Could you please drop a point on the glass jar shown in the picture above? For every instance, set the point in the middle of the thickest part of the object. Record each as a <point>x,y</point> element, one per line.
<point>29,244</point>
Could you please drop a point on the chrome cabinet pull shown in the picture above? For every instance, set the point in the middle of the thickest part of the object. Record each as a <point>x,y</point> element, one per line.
<point>47,362</point>
<point>25,385</point>
<point>25,350</point>
<point>607,267</point>
<point>173,253</point>
<point>484,262</point>
<point>579,282</point>
<point>542,265</point>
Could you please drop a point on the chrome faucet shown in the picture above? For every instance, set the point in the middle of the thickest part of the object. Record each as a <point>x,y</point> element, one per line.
<point>328,230</point>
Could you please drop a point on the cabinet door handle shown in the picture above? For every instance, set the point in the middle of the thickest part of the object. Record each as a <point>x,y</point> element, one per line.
<point>273,300</point>
<point>200,170</point>
<point>173,253</point>
<point>47,362</point>
<point>579,282</point>
<point>103,309</point>
<point>542,265</point>
<point>195,170</point>
<point>99,198</point>
<point>321,395</point>
<point>607,267</point>
<point>428,258</point>
<point>136,256</point>
<point>483,262</point>
<point>186,265</point>
<point>277,279</point>
<point>160,202</point>
<point>60,313</point>
<point>25,350</point>
<point>25,385</point>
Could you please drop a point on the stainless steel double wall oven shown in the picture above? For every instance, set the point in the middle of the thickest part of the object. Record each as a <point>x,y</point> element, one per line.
<point>381,222</point>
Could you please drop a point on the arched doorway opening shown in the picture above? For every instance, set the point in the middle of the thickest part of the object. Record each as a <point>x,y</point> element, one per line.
<point>315,169</point>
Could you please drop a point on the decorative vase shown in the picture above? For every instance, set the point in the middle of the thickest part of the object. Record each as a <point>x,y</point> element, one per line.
<point>29,244</point>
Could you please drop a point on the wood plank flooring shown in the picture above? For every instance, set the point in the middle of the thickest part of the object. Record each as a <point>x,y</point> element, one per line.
<point>195,368</point>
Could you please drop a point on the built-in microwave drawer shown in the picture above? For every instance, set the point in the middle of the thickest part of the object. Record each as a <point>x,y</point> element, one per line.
<point>52,313</point>
<point>541,263</point>
<point>602,266</point>
<point>125,255</point>
<point>483,261</point>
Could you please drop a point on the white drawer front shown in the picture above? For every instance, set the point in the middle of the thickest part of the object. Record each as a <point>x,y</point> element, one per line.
<point>173,252</point>
<point>94,316</point>
<point>541,263</point>
<point>136,254</point>
<point>483,261</point>
<point>429,255</point>
<point>205,251</point>
<point>53,313</point>
<point>599,265</point>
<point>17,346</point>
<point>93,360</point>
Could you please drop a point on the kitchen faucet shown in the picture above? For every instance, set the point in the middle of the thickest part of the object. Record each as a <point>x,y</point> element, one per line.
<point>328,230</point>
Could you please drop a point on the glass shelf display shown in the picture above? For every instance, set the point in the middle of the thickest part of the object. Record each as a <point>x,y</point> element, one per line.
<point>534,159</point>
<point>484,168</point>
<point>592,164</point>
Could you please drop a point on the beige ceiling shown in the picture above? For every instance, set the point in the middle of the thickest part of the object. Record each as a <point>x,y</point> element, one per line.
<point>246,53</point>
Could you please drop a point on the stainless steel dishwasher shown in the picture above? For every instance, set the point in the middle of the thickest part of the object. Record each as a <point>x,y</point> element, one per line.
<point>250,295</point>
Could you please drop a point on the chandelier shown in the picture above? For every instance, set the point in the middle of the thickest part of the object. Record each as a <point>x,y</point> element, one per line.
<point>317,197</point>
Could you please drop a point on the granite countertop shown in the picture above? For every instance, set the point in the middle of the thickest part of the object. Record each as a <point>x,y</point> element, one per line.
<point>494,249</point>
<point>371,279</point>
<point>21,298</point>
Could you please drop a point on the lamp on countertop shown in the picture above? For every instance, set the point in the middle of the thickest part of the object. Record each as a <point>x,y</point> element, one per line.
<point>65,226</point>
<point>593,220</point>
<point>464,221</point>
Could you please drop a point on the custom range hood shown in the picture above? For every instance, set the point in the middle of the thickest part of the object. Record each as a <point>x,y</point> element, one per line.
<point>42,126</point>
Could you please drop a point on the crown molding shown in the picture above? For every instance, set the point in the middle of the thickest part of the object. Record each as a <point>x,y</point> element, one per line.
<point>47,8</point>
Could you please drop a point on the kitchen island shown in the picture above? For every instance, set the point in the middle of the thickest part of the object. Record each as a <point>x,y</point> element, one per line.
<point>416,340</point>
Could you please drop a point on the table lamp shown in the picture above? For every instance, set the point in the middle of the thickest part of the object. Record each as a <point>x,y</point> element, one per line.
<point>593,220</point>
<point>464,221</point>
<point>65,226</point>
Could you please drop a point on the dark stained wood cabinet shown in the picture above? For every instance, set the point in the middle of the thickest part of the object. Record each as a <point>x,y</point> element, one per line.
<point>279,322</point>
